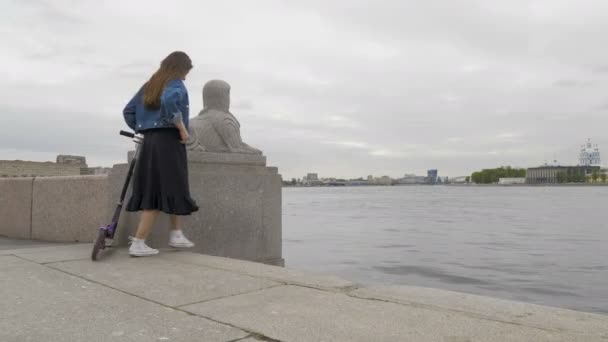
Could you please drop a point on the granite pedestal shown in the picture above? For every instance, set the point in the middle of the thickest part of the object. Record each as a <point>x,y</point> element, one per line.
<point>240,208</point>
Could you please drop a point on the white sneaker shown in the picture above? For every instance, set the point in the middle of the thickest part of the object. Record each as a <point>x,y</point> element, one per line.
<point>178,240</point>
<point>139,248</point>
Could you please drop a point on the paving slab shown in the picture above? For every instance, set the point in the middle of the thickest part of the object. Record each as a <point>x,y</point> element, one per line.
<point>11,243</point>
<point>163,281</point>
<point>42,304</point>
<point>259,270</point>
<point>291,313</point>
<point>490,308</point>
<point>53,254</point>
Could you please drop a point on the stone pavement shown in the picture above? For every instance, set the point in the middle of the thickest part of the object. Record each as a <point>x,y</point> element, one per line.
<point>6,243</point>
<point>55,293</point>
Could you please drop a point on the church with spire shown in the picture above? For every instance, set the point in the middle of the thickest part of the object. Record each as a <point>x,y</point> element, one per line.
<point>590,155</point>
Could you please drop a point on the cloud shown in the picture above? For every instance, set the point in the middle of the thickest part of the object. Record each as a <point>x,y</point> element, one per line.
<point>454,140</point>
<point>603,107</point>
<point>344,88</point>
<point>350,144</point>
<point>599,69</point>
<point>509,135</point>
<point>388,153</point>
<point>338,121</point>
<point>573,83</point>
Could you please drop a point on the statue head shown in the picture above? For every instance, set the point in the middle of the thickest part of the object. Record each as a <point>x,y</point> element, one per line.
<point>216,95</point>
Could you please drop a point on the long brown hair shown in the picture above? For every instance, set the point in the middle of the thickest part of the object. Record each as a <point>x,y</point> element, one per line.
<point>174,66</point>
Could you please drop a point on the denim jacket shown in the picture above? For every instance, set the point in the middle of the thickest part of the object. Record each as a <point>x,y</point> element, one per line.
<point>174,107</point>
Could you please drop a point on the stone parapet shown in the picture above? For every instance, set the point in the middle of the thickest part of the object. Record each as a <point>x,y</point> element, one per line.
<point>68,208</point>
<point>16,207</point>
<point>64,209</point>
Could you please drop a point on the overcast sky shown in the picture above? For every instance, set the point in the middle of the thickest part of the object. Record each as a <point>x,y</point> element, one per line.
<point>342,88</point>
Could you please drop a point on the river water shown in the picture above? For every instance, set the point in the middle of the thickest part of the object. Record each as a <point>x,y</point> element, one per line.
<point>544,245</point>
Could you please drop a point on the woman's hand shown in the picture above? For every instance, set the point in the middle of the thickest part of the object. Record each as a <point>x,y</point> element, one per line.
<point>184,136</point>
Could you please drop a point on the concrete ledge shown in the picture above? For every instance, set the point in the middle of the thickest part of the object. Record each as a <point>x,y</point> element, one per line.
<point>489,308</point>
<point>16,207</point>
<point>243,301</point>
<point>69,209</point>
<point>259,270</point>
<point>42,304</point>
<point>164,281</point>
<point>46,255</point>
<point>42,247</point>
<point>297,314</point>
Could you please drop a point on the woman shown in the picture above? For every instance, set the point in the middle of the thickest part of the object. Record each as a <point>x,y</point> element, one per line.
<point>160,111</point>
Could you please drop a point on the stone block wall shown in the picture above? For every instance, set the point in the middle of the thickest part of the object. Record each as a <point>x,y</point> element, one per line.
<point>64,209</point>
<point>69,209</point>
<point>16,207</point>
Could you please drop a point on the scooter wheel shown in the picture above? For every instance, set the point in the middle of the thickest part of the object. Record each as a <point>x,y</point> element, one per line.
<point>100,243</point>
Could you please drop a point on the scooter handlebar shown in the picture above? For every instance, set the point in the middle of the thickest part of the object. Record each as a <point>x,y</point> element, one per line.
<point>127,134</point>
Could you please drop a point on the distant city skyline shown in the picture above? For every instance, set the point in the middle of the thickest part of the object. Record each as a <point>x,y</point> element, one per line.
<point>589,155</point>
<point>345,88</point>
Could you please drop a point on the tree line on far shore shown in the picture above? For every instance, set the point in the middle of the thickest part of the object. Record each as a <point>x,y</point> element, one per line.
<point>490,176</point>
<point>596,175</point>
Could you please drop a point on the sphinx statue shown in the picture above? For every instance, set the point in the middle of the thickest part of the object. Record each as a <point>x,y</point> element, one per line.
<point>215,129</point>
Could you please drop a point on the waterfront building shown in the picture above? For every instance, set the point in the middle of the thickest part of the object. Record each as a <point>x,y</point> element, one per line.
<point>512,180</point>
<point>412,179</point>
<point>551,174</point>
<point>384,180</point>
<point>311,179</point>
<point>460,180</point>
<point>358,182</point>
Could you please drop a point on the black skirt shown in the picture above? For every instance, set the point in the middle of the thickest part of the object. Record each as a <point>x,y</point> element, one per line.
<point>160,180</point>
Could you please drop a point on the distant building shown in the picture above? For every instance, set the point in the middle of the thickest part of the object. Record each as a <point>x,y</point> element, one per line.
<point>512,181</point>
<point>357,182</point>
<point>590,155</point>
<point>72,160</point>
<point>311,179</point>
<point>384,180</point>
<point>551,174</point>
<point>412,179</point>
<point>336,182</point>
<point>95,170</point>
<point>432,176</point>
<point>443,180</point>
